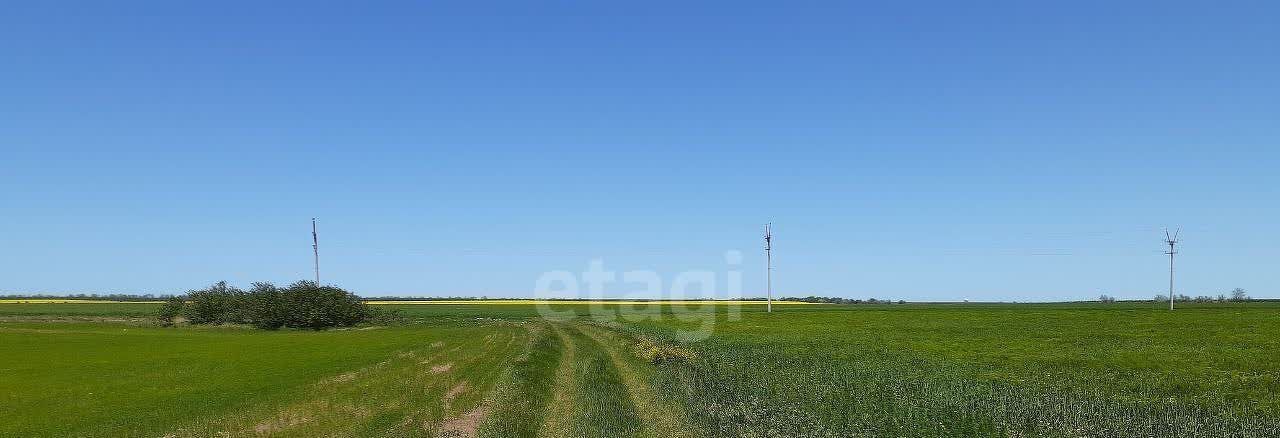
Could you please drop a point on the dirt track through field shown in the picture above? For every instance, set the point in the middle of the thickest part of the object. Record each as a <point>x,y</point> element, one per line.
<point>593,385</point>
<point>658,419</point>
<point>559,418</point>
<point>600,392</point>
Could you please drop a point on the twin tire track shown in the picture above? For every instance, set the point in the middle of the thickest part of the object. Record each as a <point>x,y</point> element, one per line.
<point>602,389</point>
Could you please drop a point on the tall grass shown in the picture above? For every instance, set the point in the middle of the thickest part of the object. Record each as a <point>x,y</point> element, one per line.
<point>923,373</point>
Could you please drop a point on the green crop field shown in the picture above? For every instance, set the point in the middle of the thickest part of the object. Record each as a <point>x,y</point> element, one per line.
<point>611,370</point>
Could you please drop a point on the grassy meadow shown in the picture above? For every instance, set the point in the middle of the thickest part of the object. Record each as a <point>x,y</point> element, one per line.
<point>522,369</point>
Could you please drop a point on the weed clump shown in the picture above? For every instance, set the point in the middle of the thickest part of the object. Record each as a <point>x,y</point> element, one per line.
<point>659,352</point>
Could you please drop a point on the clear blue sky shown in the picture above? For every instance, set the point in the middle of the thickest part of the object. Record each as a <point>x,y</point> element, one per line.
<point>916,150</point>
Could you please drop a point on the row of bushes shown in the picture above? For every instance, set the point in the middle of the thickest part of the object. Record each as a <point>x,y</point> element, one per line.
<point>304,305</point>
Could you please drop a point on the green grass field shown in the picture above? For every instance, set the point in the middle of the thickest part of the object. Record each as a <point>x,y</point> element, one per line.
<point>575,370</point>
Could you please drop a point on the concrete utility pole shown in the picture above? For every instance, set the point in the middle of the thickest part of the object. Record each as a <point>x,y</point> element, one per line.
<point>315,249</point>
<point>1171,240</point>
<point>768,267</point>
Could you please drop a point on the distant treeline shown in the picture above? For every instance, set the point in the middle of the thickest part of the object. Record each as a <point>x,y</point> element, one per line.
<point>164,297</point>
<point>106,297</point>
<point>1235,295</point>
<point>426,298</point>
<point>838,300</point>
<point>484,298</point>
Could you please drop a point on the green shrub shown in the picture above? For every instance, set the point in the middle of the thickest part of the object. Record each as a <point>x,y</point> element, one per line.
<point>300,305</point>
<point>171,310</point>
<point>316,307</point>
<point>219,304</point>
<point>264,307</point>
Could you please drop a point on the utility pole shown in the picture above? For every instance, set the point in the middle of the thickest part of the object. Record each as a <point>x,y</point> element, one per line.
<point>315,249</point>
<point>1171,240</point>
<point>768,267</point>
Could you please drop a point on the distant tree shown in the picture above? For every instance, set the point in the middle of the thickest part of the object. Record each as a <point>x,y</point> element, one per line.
<point>1106,298</point>
<point>902,301</point>
<point>1239,294</point>
<point>1222,298</point>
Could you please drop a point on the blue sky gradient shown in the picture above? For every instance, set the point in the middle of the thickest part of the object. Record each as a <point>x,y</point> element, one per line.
<point>921,150</point>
